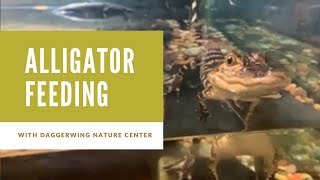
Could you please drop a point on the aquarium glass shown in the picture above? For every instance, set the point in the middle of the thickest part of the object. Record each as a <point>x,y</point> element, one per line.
<point>274,81</point>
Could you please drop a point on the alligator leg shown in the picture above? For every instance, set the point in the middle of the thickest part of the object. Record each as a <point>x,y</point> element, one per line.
<point>259,166</point>
<point>249,115</point>
<point>266,166</point>
<point>203,110</point>
<point>173,84</point>
<point>214,166</point>
<point>214,172</point>
<point>179,78</point>
<point>234,107</point>
<point>272,163</point>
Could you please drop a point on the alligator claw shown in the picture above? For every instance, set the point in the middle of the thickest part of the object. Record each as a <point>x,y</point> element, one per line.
<point>203,110</point>
<point>245,128</point>
<point>204,116</point>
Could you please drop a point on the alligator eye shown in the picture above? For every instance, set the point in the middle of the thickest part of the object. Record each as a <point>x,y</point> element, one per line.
<point>230,60</point>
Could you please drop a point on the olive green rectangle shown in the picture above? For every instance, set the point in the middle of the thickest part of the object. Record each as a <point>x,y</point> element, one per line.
<point>132,97</point>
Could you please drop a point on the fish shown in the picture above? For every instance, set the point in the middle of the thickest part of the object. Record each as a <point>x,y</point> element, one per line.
<point>92,11</point>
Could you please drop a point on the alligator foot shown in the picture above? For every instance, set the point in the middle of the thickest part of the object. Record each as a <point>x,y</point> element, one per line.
<point>204,115</point>
<point>214,174</point>
<point>249,115</point>
<point>214,163</point>
<point>203,110</point>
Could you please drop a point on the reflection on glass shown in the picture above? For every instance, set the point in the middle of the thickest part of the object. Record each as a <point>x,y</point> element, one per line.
<point>277,154</point>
